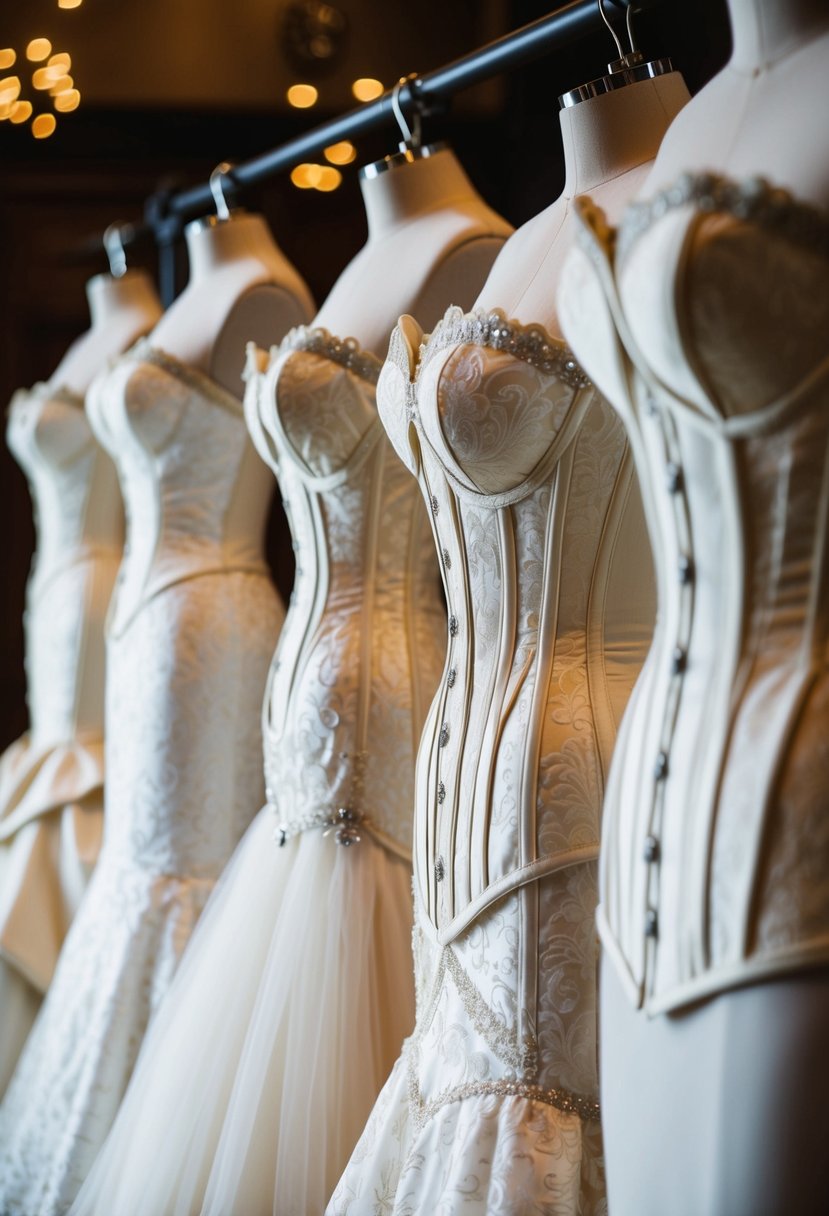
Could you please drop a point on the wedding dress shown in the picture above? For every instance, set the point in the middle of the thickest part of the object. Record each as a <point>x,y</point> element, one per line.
<point>492,1106</point>
<point>51,780</point>
<point>291,1003</point>
<point>190,633</point>
<point>716,847</point>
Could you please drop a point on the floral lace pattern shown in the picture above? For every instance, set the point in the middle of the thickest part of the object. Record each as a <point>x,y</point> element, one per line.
<point>186,669</point>
<point>714,853</point>
<point>526,473</point>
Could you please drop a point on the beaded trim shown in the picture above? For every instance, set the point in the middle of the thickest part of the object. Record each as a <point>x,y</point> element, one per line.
<point>498,1037</point>
<point>345,351</point>
<point>753,199</point>
<point>561,1099</point>
<point>530,343</point>
<point>344,821</point>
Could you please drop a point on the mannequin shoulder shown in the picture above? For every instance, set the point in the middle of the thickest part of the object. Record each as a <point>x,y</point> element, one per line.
<point>263,314</point>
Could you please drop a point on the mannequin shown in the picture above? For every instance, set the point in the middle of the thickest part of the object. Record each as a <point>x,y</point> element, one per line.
<point>610,142</point>
<point>740,1078</point>
<point>485,1096</point>
<point>242,288</point>
<point>431,242</point>
<point>121,309</point>
<point>50,829</point>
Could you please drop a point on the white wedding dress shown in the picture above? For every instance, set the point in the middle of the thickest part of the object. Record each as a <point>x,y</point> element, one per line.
<point>289,1009</point>
<point>492,1106</point>
<point>190,633</point>
<point>51,779</point>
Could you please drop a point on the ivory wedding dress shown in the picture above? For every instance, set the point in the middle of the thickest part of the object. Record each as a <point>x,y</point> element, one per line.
<point>289,1009</point>
<point>491,1108</point>
<point>190,633</point>
<point>51,780</point>
<point>716,846</point>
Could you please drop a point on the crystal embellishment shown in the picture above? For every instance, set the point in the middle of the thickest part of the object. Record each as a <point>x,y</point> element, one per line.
<point>453,626</point>
<point>443,738</point>
<point>344,824</point>
<point>345,351</point>
<point>441,792</point>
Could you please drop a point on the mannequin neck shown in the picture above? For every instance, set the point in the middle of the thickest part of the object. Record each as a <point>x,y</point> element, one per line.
<point>408,190</point>
<point>108,296</point>
<point>609,135</point>
<point>213,246</point>
<point>765,31</point>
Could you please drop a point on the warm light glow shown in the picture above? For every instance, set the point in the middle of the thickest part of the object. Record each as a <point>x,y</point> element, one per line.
<point>39,48</point>
<point>302,96</point>
<point>70,3</point>
<point>43,126</point>
<point>7,58</point>
<point>9,90</point>
<point>43,78</point>
<point>306,176</point>
<point>329,179</point>
<point>341,154</point>
<point>61,62</point>
<point>61,85</point>
<point>70,100</point>
<point>366,88</point>
<point>21,111</point>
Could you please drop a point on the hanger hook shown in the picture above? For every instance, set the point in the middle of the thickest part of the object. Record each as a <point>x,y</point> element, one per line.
<point>114,249</point>
<point>634,49</point>
<point>217,190</point>
<point>411,135</point>
<point>613,33</point>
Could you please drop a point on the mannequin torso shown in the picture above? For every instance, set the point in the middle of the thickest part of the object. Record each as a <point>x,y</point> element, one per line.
<point>609,144</point>
<point>432,241</point>
<point>121,310</point>
<point>242,288</point>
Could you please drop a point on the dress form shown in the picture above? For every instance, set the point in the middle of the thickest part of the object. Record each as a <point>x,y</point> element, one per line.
<point>121,309</point>
<point>425,220</point>
<point>242,288</point>
<point>739,1079</point>
<point>610,142</point>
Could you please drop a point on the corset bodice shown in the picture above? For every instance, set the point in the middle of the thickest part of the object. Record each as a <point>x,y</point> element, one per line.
<point>79,534</point>
<point>195,493</point>
<point>704,319</point>
<point>536,520</point>
<point>359,656</point>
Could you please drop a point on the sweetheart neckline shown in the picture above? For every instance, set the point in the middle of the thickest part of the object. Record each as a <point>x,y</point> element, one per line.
<point>144,350</point>
<point>751,199</point>
<point>317,340</point>
<point>492,328</point>
<point>42,390</point>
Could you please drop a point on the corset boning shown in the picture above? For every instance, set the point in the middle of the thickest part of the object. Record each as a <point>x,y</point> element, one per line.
<point>360,652</point>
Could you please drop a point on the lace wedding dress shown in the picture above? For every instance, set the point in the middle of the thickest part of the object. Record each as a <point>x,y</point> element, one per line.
<point>190,633</point>
<point>716,852</point>
<point>51,780</point>
<point>290,1006</point>
<point>492,1106</point>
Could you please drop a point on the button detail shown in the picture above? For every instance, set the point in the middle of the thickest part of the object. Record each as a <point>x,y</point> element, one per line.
<point>673,478</point>
<point>660,770</point>
<point>651,923</point>
<point>651,850</point>
<point>443,738</point>
<point>453,626</point>
<point>441,792</point>
<point>451,677</point>
<point>679,661</point>
<point>685,569</point>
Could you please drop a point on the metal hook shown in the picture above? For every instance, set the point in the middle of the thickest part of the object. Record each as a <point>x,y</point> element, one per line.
<point>613,33</point>
<point>411,137</point>
<point>217,190</point>
<point>114,249</point>
<point>634,49</point>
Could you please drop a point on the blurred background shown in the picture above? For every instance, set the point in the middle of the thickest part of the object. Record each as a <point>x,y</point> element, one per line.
<point>103,102</point>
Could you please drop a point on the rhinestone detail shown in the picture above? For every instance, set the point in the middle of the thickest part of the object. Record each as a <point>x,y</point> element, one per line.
<point>443,737</point>
<point>441,792</point>
<point>651,850</point>
<point>453,626</point>
<point>451,677</point>
<point>345,351</point>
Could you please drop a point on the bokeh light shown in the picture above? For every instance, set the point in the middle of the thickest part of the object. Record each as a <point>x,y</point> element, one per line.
<point>302,96</point>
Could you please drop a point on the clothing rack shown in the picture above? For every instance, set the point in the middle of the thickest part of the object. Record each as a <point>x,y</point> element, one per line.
<point>167,213</point>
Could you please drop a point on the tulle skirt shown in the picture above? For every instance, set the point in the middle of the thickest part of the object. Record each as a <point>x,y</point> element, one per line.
<point>262,1066</point>
<point>51,823</point>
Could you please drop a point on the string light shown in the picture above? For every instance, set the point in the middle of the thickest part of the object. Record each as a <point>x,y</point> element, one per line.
<point>38,48</point>
<point>302,96</point>
<point>342,153</point>
<point>366,88</point>
<point>43,126</point>
<point>70,100</point>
